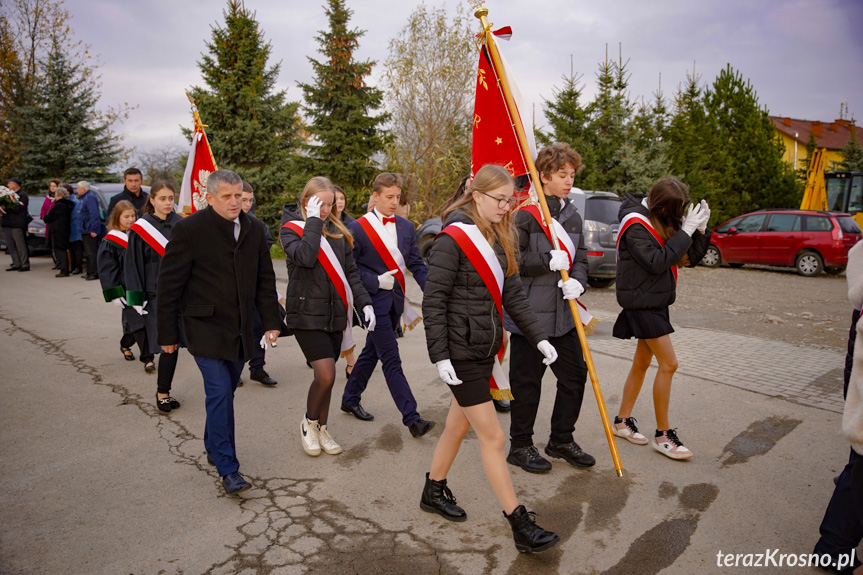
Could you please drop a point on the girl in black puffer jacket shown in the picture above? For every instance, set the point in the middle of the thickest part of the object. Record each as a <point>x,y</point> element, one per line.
<point>323,289</point>
<point>464,333</point>
<point>654,240</point>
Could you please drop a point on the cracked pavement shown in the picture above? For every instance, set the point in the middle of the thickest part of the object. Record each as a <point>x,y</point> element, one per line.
<point>94,479</point>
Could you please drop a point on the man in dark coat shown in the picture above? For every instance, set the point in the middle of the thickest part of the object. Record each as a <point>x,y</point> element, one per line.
<point>15,227</point>
<point>132,192</point>
<point>215,273</point>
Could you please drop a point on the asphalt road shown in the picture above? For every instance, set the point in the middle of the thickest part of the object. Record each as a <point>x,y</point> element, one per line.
<point>95,480</point>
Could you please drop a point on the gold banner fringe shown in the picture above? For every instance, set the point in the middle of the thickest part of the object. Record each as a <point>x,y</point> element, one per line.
<point>413,324</point>
<point>348,352</point>
<point>499,394</point>
<point>590,326</point>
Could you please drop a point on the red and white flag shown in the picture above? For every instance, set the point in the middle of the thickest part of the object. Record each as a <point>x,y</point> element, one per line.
<point>494,136</point>
<point>198,168</point>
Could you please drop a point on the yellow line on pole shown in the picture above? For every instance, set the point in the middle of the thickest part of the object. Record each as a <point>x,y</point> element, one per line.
<point>481,13</point>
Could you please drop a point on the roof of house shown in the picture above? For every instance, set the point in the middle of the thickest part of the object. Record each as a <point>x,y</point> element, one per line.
<point>831,135</point>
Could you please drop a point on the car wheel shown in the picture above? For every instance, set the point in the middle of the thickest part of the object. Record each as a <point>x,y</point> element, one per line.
<point>600,283</point>
<point>809,264</point>
<point>735,265</point>
<point>712,258</point>
<point>835,270</point>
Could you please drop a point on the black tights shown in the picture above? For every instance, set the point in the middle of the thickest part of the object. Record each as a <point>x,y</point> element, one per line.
<point>139,337</point>
<point>318,402</point>
<point>167,366</point>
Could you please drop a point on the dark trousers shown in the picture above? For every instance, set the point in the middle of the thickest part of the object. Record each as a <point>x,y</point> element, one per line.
<point>62,260</point>
<point>525,377</point>
<point>139,337</point>
<point>842,527</point>
<point>220,383</point>
<point>16,243</point>
<point>257,362</point>
<point>167,367</point>
<point>76,252</point>
<point>91,246</point>
<point>381,345</point>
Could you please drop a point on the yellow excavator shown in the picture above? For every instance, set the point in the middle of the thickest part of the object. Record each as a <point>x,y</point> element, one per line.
<point>832,191</point>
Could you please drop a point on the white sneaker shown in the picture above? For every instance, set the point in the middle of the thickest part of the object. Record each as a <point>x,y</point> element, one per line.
<point>669,445</point>
<point>309,437</point>
<point>328,444</point>
<point>627,430</point>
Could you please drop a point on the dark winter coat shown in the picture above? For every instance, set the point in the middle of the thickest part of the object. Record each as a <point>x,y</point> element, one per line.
<point>540,283</point>
<point>215,283</point>
<point>645,279</point>
<point>138,201</point>
<point>312,301</point>
<point>460,317</point>
<point>89,211</point>
<point>17,216</point>
<point>110,261</point>
<point>59,220</point>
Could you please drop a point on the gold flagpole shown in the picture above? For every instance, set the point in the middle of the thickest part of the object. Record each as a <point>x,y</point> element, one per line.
<point>199,124</point>
<point>481,13</point>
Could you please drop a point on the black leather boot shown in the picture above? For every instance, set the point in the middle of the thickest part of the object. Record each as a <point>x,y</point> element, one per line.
<point>437,498</point>
<point>529,537</point>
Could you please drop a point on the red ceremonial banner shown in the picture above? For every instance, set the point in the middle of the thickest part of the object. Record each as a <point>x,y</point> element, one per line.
<point>198,168</point>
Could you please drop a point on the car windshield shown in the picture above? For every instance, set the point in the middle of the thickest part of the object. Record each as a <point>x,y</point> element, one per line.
<point>35,205</point>
<point>603,210</point>
<point>848,225</point>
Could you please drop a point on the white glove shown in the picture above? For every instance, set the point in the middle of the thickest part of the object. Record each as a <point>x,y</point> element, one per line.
<point>572,288</point>
<point>694,217</point>
<point>371,320</point>
<point>548,351</point>
<point>313,208</point>
<point>119,302</point>
<point>446,372</point>
<point>559,260</point>
<point>386,280</point>
<point>705,209</point>
<point>140,309</point>
<point>263,342</point>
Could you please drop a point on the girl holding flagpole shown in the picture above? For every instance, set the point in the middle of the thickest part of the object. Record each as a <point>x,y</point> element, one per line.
<point>148,237</point>
<point>110,261</point>
<point>323,290</point>
<point>473,275</point>
<point>654,239</point>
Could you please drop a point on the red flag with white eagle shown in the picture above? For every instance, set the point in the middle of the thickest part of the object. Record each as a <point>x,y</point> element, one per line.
<point>494,137</point>
<point>198,168</point>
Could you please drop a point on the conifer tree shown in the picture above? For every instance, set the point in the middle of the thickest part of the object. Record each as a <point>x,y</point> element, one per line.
<point>757,176</point>
<point>339,104</point>
<point>852,154</point>
<point>64,135</point>
<point>253,129</point>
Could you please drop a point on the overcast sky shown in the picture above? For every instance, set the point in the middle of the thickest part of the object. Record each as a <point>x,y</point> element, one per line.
<point>803,57</point>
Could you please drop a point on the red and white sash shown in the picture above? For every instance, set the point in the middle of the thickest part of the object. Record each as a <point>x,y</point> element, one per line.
<point>636,218</point>
<point>565,242</point>
<point>392,257</point>
<point>150,234</point>
<point>481,255</point>
<point>336,273</point>
<point>117,238</point>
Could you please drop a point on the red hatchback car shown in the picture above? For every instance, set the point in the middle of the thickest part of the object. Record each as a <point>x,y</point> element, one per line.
<point>808,241</point>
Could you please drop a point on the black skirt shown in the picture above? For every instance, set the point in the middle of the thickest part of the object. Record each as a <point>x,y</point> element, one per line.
<point>318,344</point>
<point>642,324</point>
<point>476,380</point>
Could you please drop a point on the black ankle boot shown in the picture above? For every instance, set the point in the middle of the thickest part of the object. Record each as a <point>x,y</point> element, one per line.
<point>529,537</point>
<point>437,498</point>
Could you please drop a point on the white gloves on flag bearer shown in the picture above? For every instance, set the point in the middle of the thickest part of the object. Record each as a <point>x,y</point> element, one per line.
<point>386,280</point>
<point>369,316</point>
<point>140,309</point>
<point>313,208</point>
<point>572,288</point>
<point>446,372</point>
<point>548,351</point>
<point>696,218</point>
<point>120,302</point>
<point>559,260</point>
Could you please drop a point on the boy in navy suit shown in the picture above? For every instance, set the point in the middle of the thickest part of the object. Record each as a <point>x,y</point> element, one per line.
<point>385,247</point>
